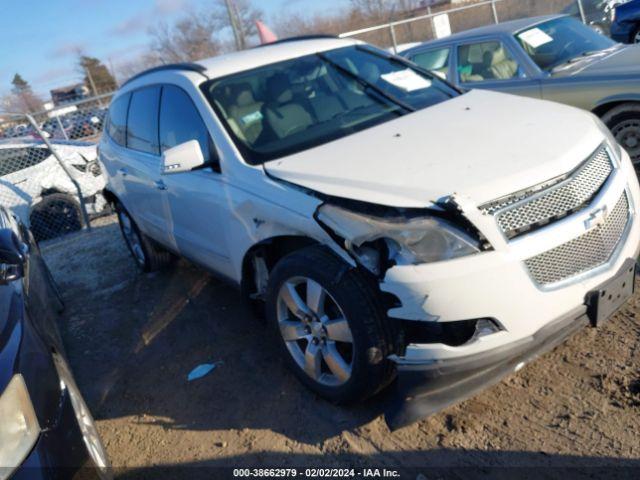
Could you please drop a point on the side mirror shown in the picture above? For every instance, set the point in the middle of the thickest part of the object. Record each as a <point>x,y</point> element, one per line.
<point>11,257</point>
<point>182,158</point>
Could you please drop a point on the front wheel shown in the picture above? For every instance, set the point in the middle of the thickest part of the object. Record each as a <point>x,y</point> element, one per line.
<point>624,123</point>
<point>330,325</point>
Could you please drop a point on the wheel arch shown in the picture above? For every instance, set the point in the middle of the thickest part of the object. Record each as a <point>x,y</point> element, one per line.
<point>609,103</point>
<point>271,250</point>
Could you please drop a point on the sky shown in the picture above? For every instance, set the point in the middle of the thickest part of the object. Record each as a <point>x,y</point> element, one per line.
<point>39,38</point>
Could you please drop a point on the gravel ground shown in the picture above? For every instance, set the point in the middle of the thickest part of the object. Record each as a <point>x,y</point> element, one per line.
<point>133,338</point>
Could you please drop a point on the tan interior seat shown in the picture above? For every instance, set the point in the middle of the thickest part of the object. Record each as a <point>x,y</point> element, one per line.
<point>246,113</point>
<point>284,115</point>
<point>501,65</point>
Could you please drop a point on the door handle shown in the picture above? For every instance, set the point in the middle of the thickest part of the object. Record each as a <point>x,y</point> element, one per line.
<point>160,185</point>
<point>123,172</point>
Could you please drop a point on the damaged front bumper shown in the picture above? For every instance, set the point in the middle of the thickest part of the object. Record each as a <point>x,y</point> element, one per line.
<point>424,389</point>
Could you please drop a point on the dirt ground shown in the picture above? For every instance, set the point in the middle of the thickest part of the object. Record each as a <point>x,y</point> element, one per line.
<point>133,338</point>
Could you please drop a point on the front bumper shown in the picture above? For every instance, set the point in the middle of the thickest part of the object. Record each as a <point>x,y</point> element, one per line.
<point>427,389</point>
<point>497,285</point>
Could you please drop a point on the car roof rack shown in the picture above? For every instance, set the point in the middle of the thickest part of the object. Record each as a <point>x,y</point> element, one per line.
<point>189,67</point>
<point>299,38</point>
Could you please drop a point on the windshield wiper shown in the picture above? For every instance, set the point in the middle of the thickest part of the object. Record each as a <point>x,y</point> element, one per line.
<point>576,59</point>
<point>366,83</point>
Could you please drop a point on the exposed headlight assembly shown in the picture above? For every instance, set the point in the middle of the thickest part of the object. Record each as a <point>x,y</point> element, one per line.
<point>415,240</point>
<point>19,428</point>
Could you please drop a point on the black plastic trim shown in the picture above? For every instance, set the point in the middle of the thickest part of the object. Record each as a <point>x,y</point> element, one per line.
<point>189,67</point>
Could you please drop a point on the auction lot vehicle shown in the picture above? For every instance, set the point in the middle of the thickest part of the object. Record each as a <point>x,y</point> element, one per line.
<point>35,187</point>
<point>626,22</point>
<point>553,58</point>
<point>45,424</point>
<point>387,222</point>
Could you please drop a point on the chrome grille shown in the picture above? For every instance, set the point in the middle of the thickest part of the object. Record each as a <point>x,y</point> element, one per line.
<point>553,200</point>
<point>584,253</point>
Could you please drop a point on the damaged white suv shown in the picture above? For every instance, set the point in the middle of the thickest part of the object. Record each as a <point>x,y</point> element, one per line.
<point>390,223</point>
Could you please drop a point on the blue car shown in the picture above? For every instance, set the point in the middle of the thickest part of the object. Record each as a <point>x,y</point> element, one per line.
<point>626,22</point>
<point>46,430</point>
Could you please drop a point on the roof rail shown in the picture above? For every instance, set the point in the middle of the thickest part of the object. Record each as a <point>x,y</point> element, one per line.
<point>190,67</point>
<point>299,38</point>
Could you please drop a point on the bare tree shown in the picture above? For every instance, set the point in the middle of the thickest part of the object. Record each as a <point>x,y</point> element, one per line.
<point>240,16</point>
<point>191,38</point>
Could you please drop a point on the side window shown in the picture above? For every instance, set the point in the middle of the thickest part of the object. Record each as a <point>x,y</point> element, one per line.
<point>142,122</point>
<point>436,61</point>
<point>181,122</point>
<point>117,125</point>
<point>479,62</point>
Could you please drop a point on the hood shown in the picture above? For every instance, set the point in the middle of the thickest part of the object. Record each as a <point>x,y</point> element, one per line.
<point>481,145</point>
<point>622,60</point>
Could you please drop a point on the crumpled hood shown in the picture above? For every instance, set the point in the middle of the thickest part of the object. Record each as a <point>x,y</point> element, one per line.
<point>622,61</point>
<point>481,145</point>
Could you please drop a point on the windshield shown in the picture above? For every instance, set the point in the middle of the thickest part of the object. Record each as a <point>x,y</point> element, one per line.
<point>287,107</point>
<point>560,41</point>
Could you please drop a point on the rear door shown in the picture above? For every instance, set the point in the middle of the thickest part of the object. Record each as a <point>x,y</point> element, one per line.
<point>144,197</point>
<point>197,201</point>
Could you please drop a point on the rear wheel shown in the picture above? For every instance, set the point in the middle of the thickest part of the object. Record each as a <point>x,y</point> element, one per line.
<point>146,253</point>
<point>330,325</point>
<point>624,123</point>
<point>55,215</point>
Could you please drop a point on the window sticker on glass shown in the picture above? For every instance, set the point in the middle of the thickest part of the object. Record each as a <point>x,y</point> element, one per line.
<point>535,37</point>
<point>251,118</point>
<point>407,80</point>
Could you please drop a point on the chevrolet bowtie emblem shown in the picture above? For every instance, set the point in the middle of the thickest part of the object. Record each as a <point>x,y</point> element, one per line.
<point>596,218</point>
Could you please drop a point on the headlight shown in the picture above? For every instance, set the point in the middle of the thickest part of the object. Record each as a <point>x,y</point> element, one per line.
<point>611,140</point>
<point>19,429</point>
<point>415,240</point>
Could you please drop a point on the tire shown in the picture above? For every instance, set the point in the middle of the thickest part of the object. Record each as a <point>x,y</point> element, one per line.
<point>147,255</point>
<point>624,123</point>
<point>55,215</point>
<point>348,294</point>
<point>635,37</point>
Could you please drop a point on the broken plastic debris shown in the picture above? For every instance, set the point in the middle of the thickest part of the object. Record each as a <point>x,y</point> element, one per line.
<point>201,370</point>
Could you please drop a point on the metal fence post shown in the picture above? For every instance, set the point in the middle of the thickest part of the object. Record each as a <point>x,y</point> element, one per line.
<point>495,11</point>
<point>64,133</point>
<point>582,14</point>
<point>393,38</point>
<point>83,207</point>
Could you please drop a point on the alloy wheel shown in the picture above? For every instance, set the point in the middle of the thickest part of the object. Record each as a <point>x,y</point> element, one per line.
<point>131,237</point>
<point>315,331</point>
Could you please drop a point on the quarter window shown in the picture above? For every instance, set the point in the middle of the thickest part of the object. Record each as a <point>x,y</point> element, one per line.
<point>117,125</point>
<point>181,122</point>
<point>487,61</point>
<point>142,123</point>
<point>436,61</point>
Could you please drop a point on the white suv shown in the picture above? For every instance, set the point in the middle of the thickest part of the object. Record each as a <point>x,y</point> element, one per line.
<point>388,222</point>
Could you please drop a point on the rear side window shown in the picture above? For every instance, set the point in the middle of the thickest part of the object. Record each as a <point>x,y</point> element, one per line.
<point>436,61</point>
<point>142,122</point>
<point>181,122</point>
<point>16,159</point>
<point>117,126</point>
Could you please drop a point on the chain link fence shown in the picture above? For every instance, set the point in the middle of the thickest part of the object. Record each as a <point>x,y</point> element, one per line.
<point>422,28</point>
<point>49,172</point>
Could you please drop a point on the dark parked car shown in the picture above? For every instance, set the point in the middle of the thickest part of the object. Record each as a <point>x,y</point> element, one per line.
<point>626,23</point>
<point>553,58</point>
<point>597,13</point>
<point>46,430</point>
